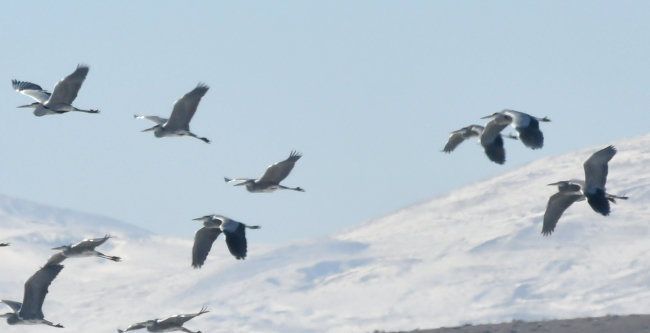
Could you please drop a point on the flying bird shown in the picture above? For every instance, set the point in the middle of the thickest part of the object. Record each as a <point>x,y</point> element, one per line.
<point>60,100</point>
<point>270,180</point>
<point>493,146</point>
<point>30,311</point>
<point>4,244</point>
<point>85,248</point>
<point>592,188</point>
<point>173,323</point>
<point>527,127</point>
<point>178,123</point>
<point>213,225</point>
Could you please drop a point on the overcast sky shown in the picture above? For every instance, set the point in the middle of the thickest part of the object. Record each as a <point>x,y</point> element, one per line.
<point>368,91</point>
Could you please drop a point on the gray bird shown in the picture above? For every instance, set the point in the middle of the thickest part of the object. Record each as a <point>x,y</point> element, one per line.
<point>171,324</point>
<point>270,180</point>
<point>30,311</point>
<point>4,244</point>
<point>592,188</point>
<point>527,127</point>
<point>85,248</point>
<point>213,225</point>
<point>493,146</point>
<point>60,100</point>
<point>178,123</point>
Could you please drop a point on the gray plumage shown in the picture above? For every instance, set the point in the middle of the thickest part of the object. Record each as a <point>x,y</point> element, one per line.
<point>270,180</point>
<point>592,189</point>
<point>178,123</point>
<point>492,145</point>
<point>171,324</point>
<point>4,244</point>
<point>213,226</point>
<point>527,127</point>
<point>30,312</point>
<point>85,248</point>
<point>60,100</point>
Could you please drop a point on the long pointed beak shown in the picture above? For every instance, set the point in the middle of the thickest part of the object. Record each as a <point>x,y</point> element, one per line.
<point>554,184</point>
<point>198,219</point>
<point>240,184</point>
<point>26,106</point>
<point>58,248</point>
<point>148,129</point>
<point>486,117</point>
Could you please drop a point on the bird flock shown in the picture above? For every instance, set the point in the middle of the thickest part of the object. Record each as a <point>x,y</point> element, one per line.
<point>59,101</point>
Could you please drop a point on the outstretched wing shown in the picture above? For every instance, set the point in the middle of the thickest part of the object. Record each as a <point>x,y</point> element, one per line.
<point>236,241</point>
<point>596,168</point>
<point>180,319</point>
<point>15,306</point>
<point>185,107</point>
<point>32,90</point>
<point>491,132</point>
<point>55,259</point>
<point>279,171</point>
<point>203,240</point>
<point>65,91</point>
<point>455,139</point>
<point>155,119</point>
<point>494,150</point>
<point>557,204</point>
<point>36,288</point>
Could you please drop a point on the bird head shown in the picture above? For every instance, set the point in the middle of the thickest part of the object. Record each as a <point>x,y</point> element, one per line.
<point>490,116</point>
<point>30,106</point>
<point>150,129</point>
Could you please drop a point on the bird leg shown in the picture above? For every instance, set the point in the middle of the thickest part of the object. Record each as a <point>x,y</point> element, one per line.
<point>545,119</point>
<point>87,111</point>
<point>200,138</point>
<point>613,198</point>
<point>116,259</point>
<point>291,188</point>
<point>188,331</point>
<point>252,226</point>
<point>512,136</point>
<point>51,324</point>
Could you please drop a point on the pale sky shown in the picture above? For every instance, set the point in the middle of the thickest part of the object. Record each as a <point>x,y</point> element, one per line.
<point>368,91</point>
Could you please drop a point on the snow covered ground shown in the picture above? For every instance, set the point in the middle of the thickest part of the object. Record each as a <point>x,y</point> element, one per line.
<point>474,255</point>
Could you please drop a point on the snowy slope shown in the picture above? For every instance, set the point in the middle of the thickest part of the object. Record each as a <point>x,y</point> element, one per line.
<point>474,255</point>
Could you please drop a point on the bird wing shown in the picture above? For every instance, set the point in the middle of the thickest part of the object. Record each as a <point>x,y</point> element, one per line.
<point>491,132</point>
<point>203,240</point>
<point>455,139</point>
<point>65,91</point>
<point>55,259</point>
<point>557,204</point>
<point>180,319</point>
<point>155,119</point>
<point>91,243</point>
<point>279,171</point>
<point>596,168</point>
<point>35,291</point>
<point>32,90</point>
<point>185,107</point>
<point>236,241</point>
<point>494,150</point>
<point>15,306</point>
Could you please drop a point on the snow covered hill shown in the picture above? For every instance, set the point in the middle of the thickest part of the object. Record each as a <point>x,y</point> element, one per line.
<point>473,255</point>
